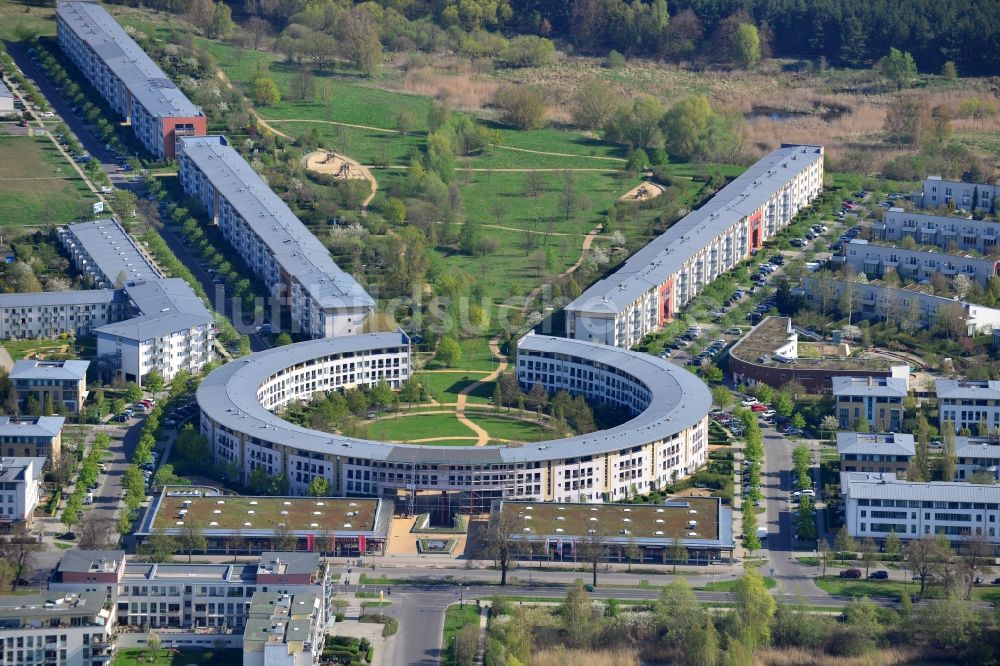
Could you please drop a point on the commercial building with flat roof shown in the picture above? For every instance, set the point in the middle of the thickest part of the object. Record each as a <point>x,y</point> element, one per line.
<point>875,452</point>
<point>666,438</point>
<point>56,629</point>
<point>126,77</point>
<point>64,382</point>
<point>664,276</point>
<point>320,299</point>
<point>977,454</point>
<point>557,531</point>
<point>876,400</point>
<point>769,354</point>
<point>953,510</point>
<point>31,436</point>
<point>329,524</point>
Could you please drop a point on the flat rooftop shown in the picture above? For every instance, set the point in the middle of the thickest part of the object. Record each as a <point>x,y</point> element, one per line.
<point>772,333</point>
<point>213,511</point>
<point>619,522</point>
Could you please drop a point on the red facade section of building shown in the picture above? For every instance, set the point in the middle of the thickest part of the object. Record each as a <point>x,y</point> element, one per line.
<point>173,128</point>
<point>667,300</point>
<point>756,232</point>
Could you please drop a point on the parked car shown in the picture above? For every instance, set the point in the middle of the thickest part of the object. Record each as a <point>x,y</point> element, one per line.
<point>797,242</point>
<point>850,573</point>
<point>67,536</point>
<point>879,575</point>
<point>758,407</point>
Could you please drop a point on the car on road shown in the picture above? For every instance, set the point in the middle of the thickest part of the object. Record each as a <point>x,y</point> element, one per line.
<point>67,536</point>
<point>47,114</point>
<point>879,575</point>
<point>850,573</point>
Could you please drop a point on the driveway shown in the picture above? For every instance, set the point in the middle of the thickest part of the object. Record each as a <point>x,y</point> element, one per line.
<point>793,577</point>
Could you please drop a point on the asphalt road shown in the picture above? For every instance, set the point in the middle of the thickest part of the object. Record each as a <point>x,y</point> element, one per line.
<point>793,577</point>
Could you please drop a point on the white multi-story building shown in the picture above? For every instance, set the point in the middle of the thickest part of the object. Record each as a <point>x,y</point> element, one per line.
<point>62,382</point>
<point>126,77</point>
<point>874,260</point>
<point>284,630</point>
<point>172,331</point>
<point>6,101</point>
<point>320,299</point>
<point>969,404</point>
<point>976,454</point>
<point>879,504</point>
<point>676,266</point>
<point>164,326</point>
<point>31,436</point>
<point>46,314</point>
<point>878,300</point>
<point>944,231</point>
<point>20,481</point>
<point>939,192</point>
<point>188,604</point>
<point>66,630</point>
<point>666,438</point>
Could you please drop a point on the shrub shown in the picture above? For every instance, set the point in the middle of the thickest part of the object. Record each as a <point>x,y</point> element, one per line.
<point>522,107</point>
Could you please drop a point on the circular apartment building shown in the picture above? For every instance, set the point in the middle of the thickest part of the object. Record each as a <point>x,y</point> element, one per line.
<point>666,438</point>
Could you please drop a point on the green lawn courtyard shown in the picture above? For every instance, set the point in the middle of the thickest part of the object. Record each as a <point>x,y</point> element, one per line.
<point>37,186</point>
<point>403,428</point>
<point>173,657</point>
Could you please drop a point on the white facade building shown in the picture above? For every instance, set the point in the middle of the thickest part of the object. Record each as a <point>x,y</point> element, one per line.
<point>879,504</point>
<point>874,260</point>
<point>6,101</point>
<point>969,404</point>
<point>20,482</point>
<point>284,630</point>
<point>46,314</point>
<point>944,231</point>
<point>664,276</point>
<point>976,454</point>
<point>320,298</point>
<point>130,82</point>
<point>69,630</point>
<point>876,299</point>
<point>667,436</point>
<point>938,192</point>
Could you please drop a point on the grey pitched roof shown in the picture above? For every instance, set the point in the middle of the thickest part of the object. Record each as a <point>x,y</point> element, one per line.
<point>666,254</point>
<point>12,468</point>
<point>35,369</point>
<point>56,298</point>
<point>295,248</point>
<point>114,252</point>
<point>150,86</point>
<point>892,444</point>
<point>970,447</point>
<point>953,388</point>
<point>31,426</point>
<point>678,400</point>
<point>167,306</point>
<point>5,91</point>
<point>934,491</point>
<point>890,387</point>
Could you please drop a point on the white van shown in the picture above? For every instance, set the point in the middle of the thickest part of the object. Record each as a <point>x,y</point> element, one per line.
<point>89,499</point>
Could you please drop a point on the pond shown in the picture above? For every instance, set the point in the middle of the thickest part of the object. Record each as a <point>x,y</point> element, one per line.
<point>774,114</point>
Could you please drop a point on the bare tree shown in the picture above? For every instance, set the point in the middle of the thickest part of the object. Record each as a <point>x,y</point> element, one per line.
<point>18,550</point>
<point>977,556</point>
<point>593,548</point>
<point>282,538</point>
<point>924,555</point>
<point>95,532</point>
<point>235,542</point>
<point>500,541</point>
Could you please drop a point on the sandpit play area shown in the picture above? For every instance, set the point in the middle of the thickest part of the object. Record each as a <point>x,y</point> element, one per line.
<point>340,166</point>
<point>643,192</point>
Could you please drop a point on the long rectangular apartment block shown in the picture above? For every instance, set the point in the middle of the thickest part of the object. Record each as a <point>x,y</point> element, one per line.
<point>938,191</point>
<point>676,266</point>
<point>875,259</point>
<point>127,78</point>
<point>322,299</point>
<point>944,231</point>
